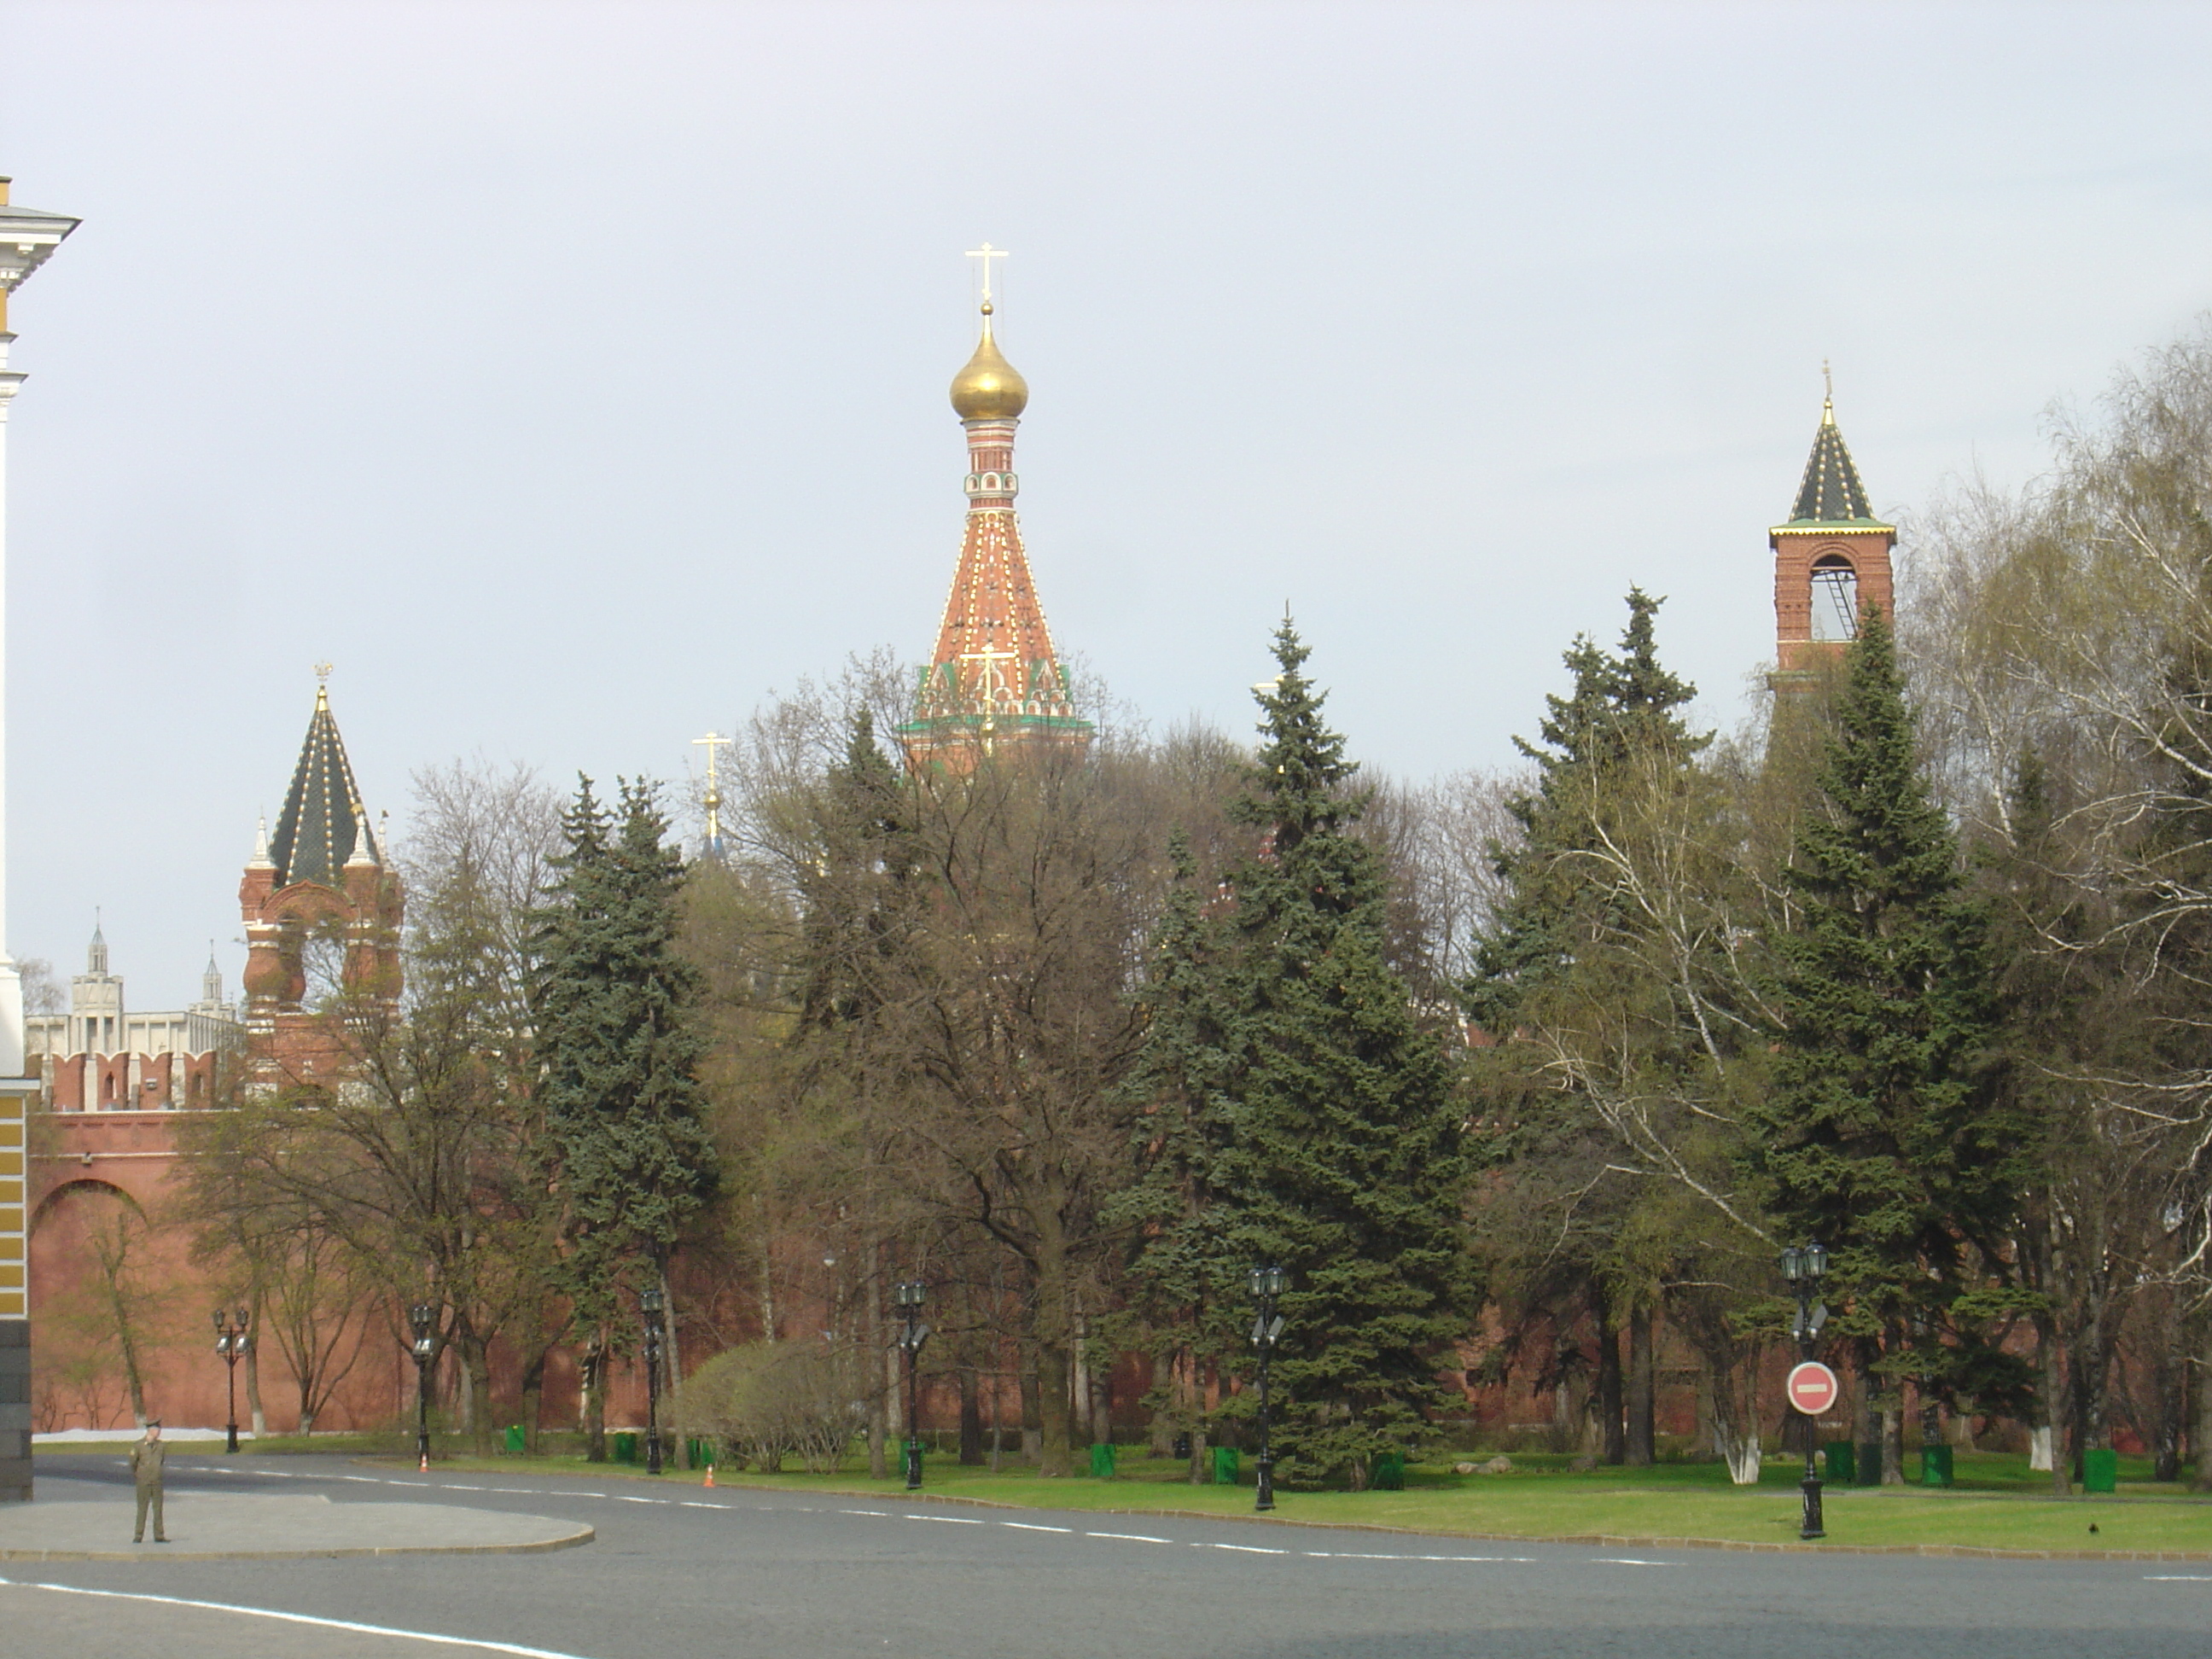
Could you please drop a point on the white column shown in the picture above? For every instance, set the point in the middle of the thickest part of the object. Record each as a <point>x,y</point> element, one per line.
<point>11,984</point>
<point>26,237</point>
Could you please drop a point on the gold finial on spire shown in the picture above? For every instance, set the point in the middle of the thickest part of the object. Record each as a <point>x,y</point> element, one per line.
<point>322,685</point>
<point>1828,395</point>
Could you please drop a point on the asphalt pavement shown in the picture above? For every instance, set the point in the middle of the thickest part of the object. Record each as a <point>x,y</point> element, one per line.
<point>679,1572</point>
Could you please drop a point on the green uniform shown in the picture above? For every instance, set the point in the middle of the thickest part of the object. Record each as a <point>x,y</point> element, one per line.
<point>146,1471</point>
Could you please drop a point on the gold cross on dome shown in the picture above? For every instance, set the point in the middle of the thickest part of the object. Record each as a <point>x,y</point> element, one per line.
<point>712,741</point>
<point>322,673</point>
<point>987,253</point>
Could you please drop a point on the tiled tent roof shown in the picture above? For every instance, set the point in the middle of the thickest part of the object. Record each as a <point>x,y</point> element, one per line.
<point>322,822</point>
<point>1831,492</point>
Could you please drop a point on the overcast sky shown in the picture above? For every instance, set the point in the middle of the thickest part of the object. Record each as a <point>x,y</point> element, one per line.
<point>573,377</point>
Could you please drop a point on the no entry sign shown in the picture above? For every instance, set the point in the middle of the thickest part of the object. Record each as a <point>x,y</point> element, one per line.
<point>1812,1388</point>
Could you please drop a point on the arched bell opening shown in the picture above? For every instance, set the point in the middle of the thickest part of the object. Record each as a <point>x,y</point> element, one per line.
<point>1835,598</point>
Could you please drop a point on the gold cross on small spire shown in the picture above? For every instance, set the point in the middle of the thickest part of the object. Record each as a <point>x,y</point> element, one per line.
<point>322,685</point>
<point>987,253</point>
<point>713,800</point>
<point>322,673</point>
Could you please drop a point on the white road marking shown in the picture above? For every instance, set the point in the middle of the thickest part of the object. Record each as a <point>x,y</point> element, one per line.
<point>1030,1526</point>
<point>1133,1537</point>
<point>625,1497</point>
<point>880,1514</point>
<point>1248,1549</point>
<point>297,1619</point>
<point>2178,1578</point>
<point>949,1520</point>
<point>1630,1561</point>
<point>693,1504</point>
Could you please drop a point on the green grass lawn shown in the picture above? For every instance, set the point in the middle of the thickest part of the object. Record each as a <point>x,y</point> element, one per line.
<point>1998,1503</point>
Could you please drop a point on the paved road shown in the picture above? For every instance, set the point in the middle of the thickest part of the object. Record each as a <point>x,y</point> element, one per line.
<point>679,1573</point>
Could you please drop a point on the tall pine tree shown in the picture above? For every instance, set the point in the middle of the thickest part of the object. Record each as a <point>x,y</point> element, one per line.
<point>618,1054</point>
<point>1885,1136</point>
<point>1317,1127</point>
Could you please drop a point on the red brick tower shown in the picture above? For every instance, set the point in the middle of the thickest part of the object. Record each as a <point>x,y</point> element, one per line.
<point>994,683</point>
<point>320,888</point>
<point>1830,561</point>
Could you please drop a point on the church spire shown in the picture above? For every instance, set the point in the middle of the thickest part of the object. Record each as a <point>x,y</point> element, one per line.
<point>322,827</point>
<point>995,678</point>
<point>1829,492</point>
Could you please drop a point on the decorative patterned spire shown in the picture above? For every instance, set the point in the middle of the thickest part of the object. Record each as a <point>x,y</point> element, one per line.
<point>322,826</point>
<point>1829,492</point>
<point>995,678</point>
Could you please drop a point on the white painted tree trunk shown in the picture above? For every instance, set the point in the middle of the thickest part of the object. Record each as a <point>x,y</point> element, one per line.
<point>1739,1450</point>
<point>2038,1448</point>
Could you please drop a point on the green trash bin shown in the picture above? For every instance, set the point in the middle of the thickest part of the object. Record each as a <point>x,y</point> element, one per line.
<point>1935,1466</point>
<point>1101,1463</point>
<point>515,1441</point>
<point>2101,1470</point>
<point>1225,1465</point>
<point>1869,1464</point>
<point>1389,1473</point>
<point>1843,1462</point>
<point>626,1446</point>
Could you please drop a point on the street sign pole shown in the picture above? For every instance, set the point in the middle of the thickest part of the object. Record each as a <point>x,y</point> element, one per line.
<point>1812,1389</point>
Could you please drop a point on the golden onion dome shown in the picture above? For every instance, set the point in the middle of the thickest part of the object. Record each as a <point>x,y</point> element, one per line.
<point>989,388</point>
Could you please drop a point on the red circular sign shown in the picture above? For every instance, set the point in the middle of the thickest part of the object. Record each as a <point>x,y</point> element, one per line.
<point>1812,1388</point>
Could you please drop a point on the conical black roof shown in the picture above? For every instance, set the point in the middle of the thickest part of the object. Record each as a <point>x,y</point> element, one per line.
<point>1831,492</point>
<point>322,822</point>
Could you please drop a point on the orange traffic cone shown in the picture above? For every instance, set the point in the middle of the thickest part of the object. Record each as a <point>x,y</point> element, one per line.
<point>709,1481</point>
<point>426,1463</point>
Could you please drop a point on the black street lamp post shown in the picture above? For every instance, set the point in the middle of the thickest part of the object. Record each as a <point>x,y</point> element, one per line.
<point>232,1343</point>
<point>426,1345</point>
<point>1268,1284</point>
<point>909,1298</point>
<point>654,1307</point>
<point>1804,1266</point>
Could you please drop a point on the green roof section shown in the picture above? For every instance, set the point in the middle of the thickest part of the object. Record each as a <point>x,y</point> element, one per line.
<point>322,822</point>
<point>1831,492</point>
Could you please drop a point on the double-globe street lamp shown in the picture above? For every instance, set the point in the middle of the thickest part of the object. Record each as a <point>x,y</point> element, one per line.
<point>426,1347</point>
<point>907,1297</point>
<point>654,1306</point>
<point>232,1343</point>
<point>1805,1266</point>
<point>1268,1283</point>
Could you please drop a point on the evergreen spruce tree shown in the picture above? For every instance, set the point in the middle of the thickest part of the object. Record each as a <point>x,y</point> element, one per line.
<point>1323,1129</point>
<point>1622,713</point>
<point>1885,1136</point>
<point>1581,979</point>
<point>617,1051</point>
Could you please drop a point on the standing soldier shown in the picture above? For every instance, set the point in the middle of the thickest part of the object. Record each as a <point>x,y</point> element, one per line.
<point>146,1470</point>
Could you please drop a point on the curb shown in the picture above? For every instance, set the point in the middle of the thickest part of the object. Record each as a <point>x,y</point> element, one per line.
<point>148,1553</point>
